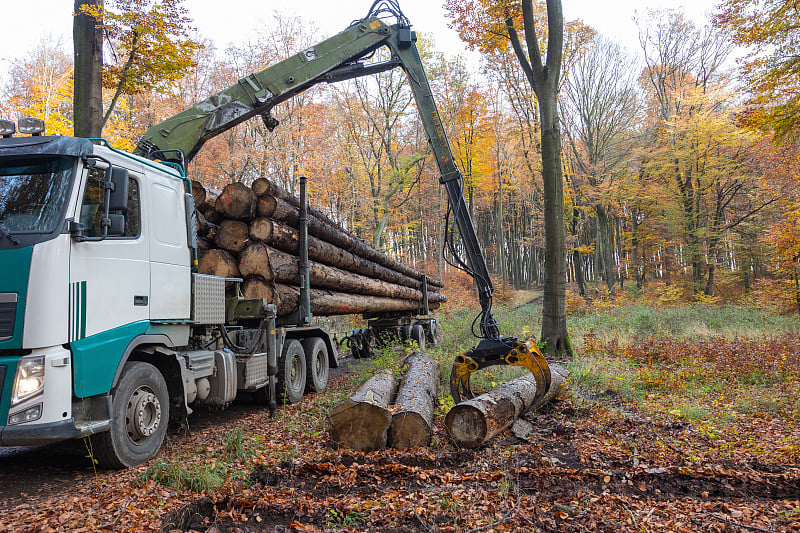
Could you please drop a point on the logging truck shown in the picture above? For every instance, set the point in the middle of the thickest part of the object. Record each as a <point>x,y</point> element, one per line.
<point>109,330</point>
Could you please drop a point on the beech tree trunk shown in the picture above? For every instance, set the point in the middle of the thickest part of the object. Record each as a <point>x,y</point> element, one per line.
<point>473,422</point>
<point>87,101</point>
<point>412,418</point>
<point>362,421</point>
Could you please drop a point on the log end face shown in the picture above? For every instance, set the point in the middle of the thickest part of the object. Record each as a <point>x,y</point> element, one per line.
<point>466,425</point>
<point>409,430</point>
<point>361,427</point>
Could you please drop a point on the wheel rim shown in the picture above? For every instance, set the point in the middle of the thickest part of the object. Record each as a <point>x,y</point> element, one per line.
<point>319,364</point>
<point>295,376</point>
<point>143,414</point>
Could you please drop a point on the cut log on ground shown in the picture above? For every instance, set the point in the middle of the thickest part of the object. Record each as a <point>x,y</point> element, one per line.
<point>285,212</point>
<point>362,421</point>
<point>473,422</point>
<point>412,413</point>
<point>219,263</point>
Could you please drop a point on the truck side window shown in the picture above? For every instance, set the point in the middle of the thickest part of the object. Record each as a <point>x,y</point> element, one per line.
<point>92,207</point>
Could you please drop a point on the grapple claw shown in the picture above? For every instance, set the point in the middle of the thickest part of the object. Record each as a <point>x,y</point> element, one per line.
<point>498,352</point>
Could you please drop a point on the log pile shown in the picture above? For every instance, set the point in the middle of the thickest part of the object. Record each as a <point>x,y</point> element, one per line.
<point>252,233</point>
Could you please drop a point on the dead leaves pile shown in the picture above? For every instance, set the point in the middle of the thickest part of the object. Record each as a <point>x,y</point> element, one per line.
<point>600,465</point>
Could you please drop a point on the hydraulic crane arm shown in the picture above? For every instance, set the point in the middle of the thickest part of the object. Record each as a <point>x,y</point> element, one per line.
<point>180,137</point>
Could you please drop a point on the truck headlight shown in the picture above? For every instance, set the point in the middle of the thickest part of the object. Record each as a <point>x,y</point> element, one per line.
<point>29,380</point>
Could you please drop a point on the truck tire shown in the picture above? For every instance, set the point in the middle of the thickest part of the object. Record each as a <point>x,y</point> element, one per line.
<point>140,415</point>
<point>317,364</point>
<point>292,372</point>
<point>418,336</point>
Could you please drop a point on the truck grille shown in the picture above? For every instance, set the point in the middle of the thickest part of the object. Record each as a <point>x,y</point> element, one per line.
<point>2,377</point>
<point>8,311</point>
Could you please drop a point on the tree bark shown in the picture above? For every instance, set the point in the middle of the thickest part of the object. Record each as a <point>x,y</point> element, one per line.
<point>286,270</point>
<point>232,235</point>
<point>87,36</point>
<point>543,78</point>
<point>473,422</point>
<point>200,196</point>
<point>236,201</point>
<point>219,263</point>
<point>287,239</point>
<point>285,212</point>
<point>362,421</point>
<point>412,413</point>
<point>329,303</point>
<point>255,260</point>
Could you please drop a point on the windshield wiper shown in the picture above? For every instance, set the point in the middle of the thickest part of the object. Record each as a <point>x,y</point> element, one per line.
<point>5,233</point>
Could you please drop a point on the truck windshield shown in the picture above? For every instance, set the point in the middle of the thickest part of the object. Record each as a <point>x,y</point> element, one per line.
<point>33,192</point>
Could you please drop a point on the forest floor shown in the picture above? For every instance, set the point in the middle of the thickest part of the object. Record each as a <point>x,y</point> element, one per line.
<point>674,420</point>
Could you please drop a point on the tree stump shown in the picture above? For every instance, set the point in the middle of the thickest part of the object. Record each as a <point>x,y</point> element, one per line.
<point>362,421</point>
<point>412,413</point>
<point>473,422</point>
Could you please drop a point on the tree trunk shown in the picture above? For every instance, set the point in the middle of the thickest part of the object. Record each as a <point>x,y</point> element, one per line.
<point>218,263</point>
<point>412,418</point>
<point>87,36</point>
<point>200,196</point>
<point>236,201</point>
<point>362,421</point>
<point>232,235</point>
<point>473,422</point>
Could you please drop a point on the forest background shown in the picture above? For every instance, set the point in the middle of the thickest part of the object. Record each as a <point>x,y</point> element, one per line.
<point>674,188</point>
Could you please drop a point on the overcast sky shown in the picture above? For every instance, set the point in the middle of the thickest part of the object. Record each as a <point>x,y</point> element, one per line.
<point>26,23</point>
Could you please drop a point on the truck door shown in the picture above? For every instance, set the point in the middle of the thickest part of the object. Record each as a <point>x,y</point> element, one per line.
<point>109,279</point>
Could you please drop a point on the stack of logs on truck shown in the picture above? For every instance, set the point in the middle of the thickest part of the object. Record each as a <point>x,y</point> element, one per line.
<point>257,234</point>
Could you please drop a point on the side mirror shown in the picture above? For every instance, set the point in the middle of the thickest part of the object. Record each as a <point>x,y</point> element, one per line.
<point>118,199</point>
<point>115,224</point>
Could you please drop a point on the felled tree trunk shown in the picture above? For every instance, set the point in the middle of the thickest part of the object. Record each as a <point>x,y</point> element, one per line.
<point>200,195</point>
<point>412,414</point>
<point>219,263</point>
<point>473,422</point>
<point>328,303</point>
<point>286,270</point>
<point>236,201</point>
<point>287,239</point>
<point>282,211</point>
<point>362,421</point>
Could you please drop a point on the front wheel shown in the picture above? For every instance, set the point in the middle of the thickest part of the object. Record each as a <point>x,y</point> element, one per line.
<point>140,415</point>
